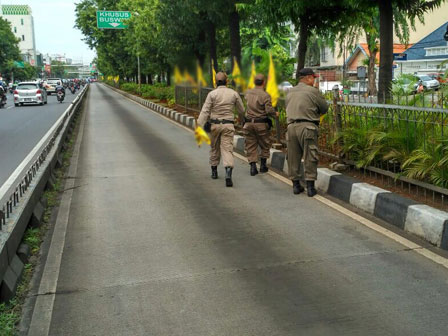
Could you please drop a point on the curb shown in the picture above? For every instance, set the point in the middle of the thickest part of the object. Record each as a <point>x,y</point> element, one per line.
<point>421,220</point>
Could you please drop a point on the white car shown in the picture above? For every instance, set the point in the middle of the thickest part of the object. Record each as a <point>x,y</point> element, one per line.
<point>429,83</point>
<point>285,86</point>
<point>29,93</point>
<point>51,85</point>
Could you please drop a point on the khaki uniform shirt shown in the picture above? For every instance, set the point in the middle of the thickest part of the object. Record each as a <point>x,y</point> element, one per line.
<point>305,102</point>
<point>219,105</point>
<point>259,104</point>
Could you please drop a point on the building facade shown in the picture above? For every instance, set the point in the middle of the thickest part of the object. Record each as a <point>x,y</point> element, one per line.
<point>22,25</point>
<point>429,55</point>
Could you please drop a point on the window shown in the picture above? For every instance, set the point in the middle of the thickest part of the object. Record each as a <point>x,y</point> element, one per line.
<point>23,37</point>
<point>21,21</point>
<point>323,54</point>
<point>15,29</point>
<point>437,51</point>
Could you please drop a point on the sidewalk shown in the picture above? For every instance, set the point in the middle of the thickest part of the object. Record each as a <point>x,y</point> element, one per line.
<point>155,247</point>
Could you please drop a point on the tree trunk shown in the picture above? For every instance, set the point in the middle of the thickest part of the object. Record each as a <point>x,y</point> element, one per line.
<point>150,82</point>
<point>212,45</point>
<point>235,41</point>
<point>371,72</point>
<point>159,78</point>
<point>386,49</point>
<point>303,44</point>
<point>168,76</point>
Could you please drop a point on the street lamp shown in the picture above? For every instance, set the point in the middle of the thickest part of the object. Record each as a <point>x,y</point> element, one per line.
<point>138,60</point>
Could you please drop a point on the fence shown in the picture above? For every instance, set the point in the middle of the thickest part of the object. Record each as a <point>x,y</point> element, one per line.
<point>400,96</point>
<point>405,144</point>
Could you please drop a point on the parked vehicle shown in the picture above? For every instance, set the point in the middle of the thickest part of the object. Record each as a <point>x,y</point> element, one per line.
<point>428,83</point>
<point>30,93</point>
<point>285,86</point>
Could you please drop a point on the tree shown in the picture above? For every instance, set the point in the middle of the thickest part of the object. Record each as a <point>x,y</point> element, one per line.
<point>9,47</point>
<point>410,9</point>
<point>307,16</point>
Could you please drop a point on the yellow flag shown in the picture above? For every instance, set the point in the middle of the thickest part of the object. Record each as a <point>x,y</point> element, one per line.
<point>236,73</point>
<point>116,79</point>
<point>201,80</point>
<point>213,73</point>
<point>177,75</point>
<point>201,136</point>
<point>253,73</point>
<point>271,86</point>
<point>188,78</point>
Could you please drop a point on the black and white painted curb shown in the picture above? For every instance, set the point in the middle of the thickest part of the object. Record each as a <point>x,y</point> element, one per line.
<point>422,220</point>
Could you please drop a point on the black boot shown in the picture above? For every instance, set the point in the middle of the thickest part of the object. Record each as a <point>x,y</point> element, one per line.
<point>263,167</point>
<point>214,172</point>
<point>297,187</point>
<point>229,182</point>
<point>253,169</point>
<point>310,189</point>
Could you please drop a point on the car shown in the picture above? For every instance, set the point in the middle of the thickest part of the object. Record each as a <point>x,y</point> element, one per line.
<point>51,85</point>
<point>285,86</point>
<point>428,82</point>
<point>30,93</point>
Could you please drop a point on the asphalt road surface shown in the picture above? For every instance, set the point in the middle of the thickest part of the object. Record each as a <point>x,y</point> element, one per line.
<point>22,127</point>
<point>155,247</point>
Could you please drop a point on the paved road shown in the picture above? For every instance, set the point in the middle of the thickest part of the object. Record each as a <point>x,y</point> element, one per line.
<point>22,127</point>
<point>155,247</point>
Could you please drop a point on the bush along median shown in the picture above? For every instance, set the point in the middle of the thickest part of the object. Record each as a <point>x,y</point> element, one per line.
<point>11,311</point>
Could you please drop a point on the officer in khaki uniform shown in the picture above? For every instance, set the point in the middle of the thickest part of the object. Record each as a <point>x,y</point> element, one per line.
<point>304,107</point>
<point>257,125</point>
<point>218,110</point>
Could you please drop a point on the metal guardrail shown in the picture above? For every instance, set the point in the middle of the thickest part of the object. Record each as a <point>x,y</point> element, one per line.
<point>15,188</point>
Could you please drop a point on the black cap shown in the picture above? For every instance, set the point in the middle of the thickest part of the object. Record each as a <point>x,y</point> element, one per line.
<point>306,72</point>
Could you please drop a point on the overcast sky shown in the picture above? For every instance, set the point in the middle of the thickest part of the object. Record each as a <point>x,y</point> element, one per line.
<point>54,22</point>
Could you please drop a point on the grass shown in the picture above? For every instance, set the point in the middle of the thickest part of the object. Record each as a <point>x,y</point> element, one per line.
<point>10,312</point>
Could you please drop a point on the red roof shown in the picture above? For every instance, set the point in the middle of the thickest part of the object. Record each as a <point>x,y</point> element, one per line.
<point>398,49</point>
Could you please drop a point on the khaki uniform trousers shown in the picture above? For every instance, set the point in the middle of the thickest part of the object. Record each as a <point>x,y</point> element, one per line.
<point>257,134</point>
<point>222,144</point>
<point>302,142</point>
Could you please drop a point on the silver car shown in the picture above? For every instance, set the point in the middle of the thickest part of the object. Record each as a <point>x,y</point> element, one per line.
<point>429,83</point>
<point>29,93</point>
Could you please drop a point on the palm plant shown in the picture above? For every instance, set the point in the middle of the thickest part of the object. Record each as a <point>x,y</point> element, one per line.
<point>429,163</point>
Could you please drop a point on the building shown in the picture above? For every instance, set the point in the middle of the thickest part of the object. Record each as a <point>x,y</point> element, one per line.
<point>429,55</point>
<point>332,60</point>
<point>360,57</point>
<point>22,25</point>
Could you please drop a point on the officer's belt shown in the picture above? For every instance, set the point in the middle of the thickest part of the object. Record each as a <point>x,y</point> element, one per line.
<point>256,120</point>
<point>296,121</point>
<point>217,121</point>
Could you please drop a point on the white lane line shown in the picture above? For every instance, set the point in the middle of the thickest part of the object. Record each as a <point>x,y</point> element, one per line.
<point>364,221</point>
<point>9,107</point>
<point>43,309</point>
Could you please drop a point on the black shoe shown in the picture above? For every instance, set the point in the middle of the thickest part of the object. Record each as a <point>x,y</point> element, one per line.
<point>253,169</point>
<point>263,167</point>
<point>229,182</point>
<point>297,188</point>
<point>214,172</point>
<point>310,189</point>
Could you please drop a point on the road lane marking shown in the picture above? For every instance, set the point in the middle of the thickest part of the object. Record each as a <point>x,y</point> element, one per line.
<point>364,221</point>
<point>9,107</point>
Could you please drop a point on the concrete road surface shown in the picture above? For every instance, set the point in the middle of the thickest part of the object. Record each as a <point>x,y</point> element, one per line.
<point>22,127</point>
<point>155,247</point>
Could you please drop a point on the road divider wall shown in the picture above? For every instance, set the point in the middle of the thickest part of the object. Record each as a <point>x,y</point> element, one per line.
<point>422,220</point>
<point>20,197</point>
